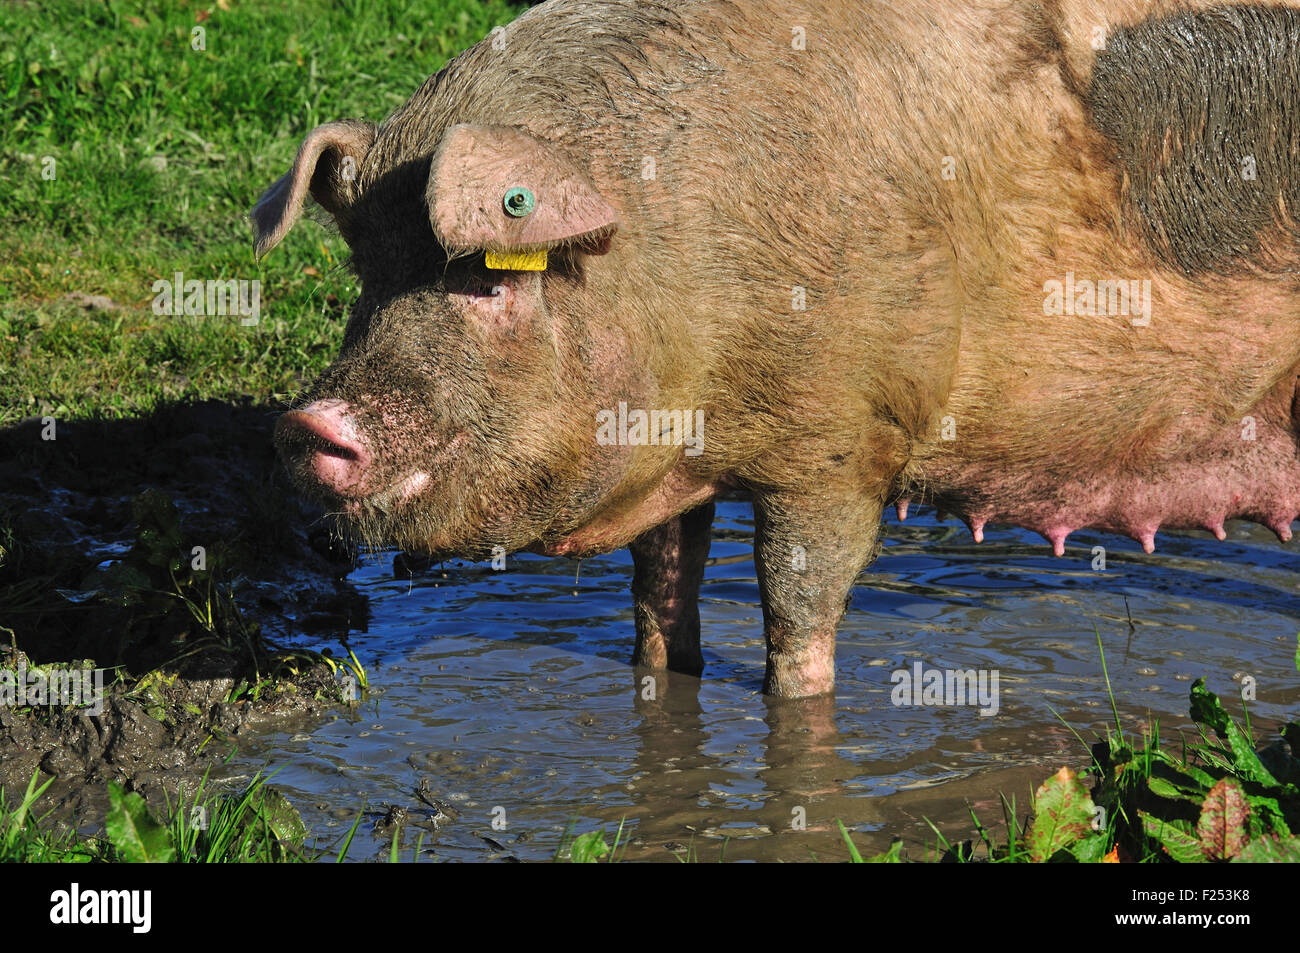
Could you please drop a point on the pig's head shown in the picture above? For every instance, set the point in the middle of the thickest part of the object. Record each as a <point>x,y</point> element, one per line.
<point>457,416</point>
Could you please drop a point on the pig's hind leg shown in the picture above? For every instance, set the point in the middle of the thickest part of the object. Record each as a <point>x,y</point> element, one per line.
<point>668,567</point>
<point>808,551</point>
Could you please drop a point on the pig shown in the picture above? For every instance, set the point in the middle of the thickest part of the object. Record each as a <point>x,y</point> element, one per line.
<point>1032,262</point>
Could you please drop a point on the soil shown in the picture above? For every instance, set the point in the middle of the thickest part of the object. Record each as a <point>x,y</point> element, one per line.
<point>98,561</point>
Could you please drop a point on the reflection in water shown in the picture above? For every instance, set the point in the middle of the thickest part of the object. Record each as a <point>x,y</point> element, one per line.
<point>513,691</point>
<point>795,769</point>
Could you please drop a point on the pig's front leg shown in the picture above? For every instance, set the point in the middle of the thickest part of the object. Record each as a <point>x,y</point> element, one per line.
<point>668,567</point>
<point>808,551</point>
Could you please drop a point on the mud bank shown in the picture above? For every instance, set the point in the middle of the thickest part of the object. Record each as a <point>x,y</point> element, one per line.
<point>168,553</point>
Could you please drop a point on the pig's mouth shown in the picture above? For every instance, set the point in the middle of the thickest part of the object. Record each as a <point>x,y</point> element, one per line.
<point>401,491</point>
<point>399,510</point>
<point>405,487</point>
<point>324,449</point>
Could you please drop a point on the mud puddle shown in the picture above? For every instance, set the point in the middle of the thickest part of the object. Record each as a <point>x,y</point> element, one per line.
<point>503,711</point>
<point>165,556</point>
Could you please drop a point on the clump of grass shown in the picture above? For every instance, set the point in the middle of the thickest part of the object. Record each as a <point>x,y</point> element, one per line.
<point>256,825</point>
<point>25,838</point>
<point>259,824</point>
<point>1220,799</point>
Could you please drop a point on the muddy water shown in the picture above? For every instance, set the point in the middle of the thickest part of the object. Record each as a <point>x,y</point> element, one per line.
<point>508,695</point>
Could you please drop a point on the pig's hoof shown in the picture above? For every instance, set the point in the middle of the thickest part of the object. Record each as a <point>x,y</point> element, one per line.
<point>799,676</point>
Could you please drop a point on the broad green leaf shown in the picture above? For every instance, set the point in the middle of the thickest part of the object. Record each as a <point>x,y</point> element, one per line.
<point>589,848</point>
<point>281,816</point>
<point>892,856</point>
<point>1090,850</point>
<point>1208,710</point>
<point>1176,837</point>
<point>1270,850</point>
<point>1269,811</point>
<point>1222,828</point>
<point>1063,813</point>
<point>133,831</point>
<point>1200,778</point>
<point>1166,788</point>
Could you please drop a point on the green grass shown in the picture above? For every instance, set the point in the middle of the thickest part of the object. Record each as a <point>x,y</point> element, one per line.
<point>256,825</point>
<point>24,838</point>
<point>159,153</point>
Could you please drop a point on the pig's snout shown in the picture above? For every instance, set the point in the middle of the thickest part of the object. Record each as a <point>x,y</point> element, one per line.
<point>321,438</point>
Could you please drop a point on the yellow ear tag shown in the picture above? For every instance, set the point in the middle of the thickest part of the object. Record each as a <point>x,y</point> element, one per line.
<point>516,260</point>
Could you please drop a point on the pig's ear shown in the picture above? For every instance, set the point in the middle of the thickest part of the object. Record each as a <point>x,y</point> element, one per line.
<point>327,163</point>
<point>492,188</point>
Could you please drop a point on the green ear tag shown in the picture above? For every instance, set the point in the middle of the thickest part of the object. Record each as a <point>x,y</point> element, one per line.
<point>519,201</point>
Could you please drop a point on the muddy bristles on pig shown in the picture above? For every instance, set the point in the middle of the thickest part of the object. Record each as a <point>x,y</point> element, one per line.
<point>1031,262</point>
